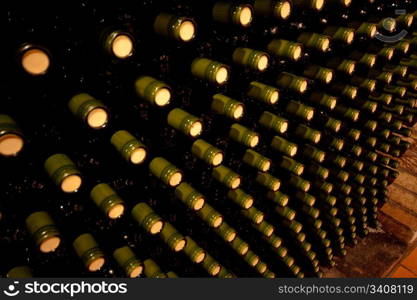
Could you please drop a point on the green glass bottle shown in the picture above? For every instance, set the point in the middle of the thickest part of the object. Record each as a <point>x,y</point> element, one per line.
<point>153,91</point>
<point>273,122</point>
<point>89,252</point>
<point>263,93</point>
<point>89,110</point>
<point>211,265</point>
<point>185,122</point>
<point>226,232</point>
<point>309,4</point>
<point>173,238</point>
<point>11,137</point>
<point>253,59</point>
<point>344,35</point>
<point>152,270</point>
<point>193,251</point>
<point>282,145</point>
<point>307,133</point>
<point>285,49</point>
<point>314,41</point>
<point>118,44</point>
<point>35,60</point>
<point>128,261</point>
<point>19,272</point>
<point>243,135</point>
<point>147,218</point>
<point>207,152</point>
<point>165,171</point>
<point>242,199</point>
<point>108,201</point>
<point>182,29</point>
<point>300,110</point>
<point>256,160</point>
<point>278,197</point>
<point>189,196</point>
<point>212,217</point>
<point>63,172</point>
<point>321,74</point>
<point>212,71</point>
<point>227,106</point>
<point>233,13</point>
<point>267,180</point>
<point>279,9</point>
<point>227,177</point>
<point>44,231</point>
<point>129,147</point>
<point>292,82</point>
<point>254,215</point>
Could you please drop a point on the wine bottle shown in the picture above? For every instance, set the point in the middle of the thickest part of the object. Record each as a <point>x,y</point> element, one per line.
<point>11,137</point>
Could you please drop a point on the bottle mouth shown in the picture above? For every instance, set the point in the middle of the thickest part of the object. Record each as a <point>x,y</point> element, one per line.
<point>215,270</point>
<point>310,114</point>
<point>50,244</point>
<point>162,97</point>
<point>222,75</point>
<point>195,129</point>
<point>297,52</point>
<point>266,166</point>
<point>138,156</point>
<point>96,264</point>
<point>269,231</point>
<point>284,10</point>
<point>217,221</point>
<point>156,227</point>
<point>324,44</point>
<point>245,16</point>
<point>409,20</point>
<point>180,245</point>
<point>187,30</point>
<point>352,93</point>
<point>350,36</point>
<point>303,85</point>
<point>261,267</point>
<point>346,3</point>
<point>97,118</point>
<point>200,257</point>
<point>263,63</point>
<point>318,4</point>
<point>259,218</point>
<point>35,61</point>
<point>349,67</point>
<point>254,141</point>
<point>10,144</point>
<point>254,261</point>
<point>274,97</point>
<point>390,53</point>
<point>238,112</point>
<point>248,203</point>
<point>284,127</point>
<point>175,179</point>
<point>327,76</point>
<point>122,46</point>
<point>372,31</point>
<point>217,159</point>
<point>199,203</point>
<point>136,272</point>
<point>231,237</point>
<point>71,184</point>
<point>116,211</point>
<point>405,47</point>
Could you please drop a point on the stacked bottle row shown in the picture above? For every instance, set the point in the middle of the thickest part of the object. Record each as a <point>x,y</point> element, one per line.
<point>248,154</point>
